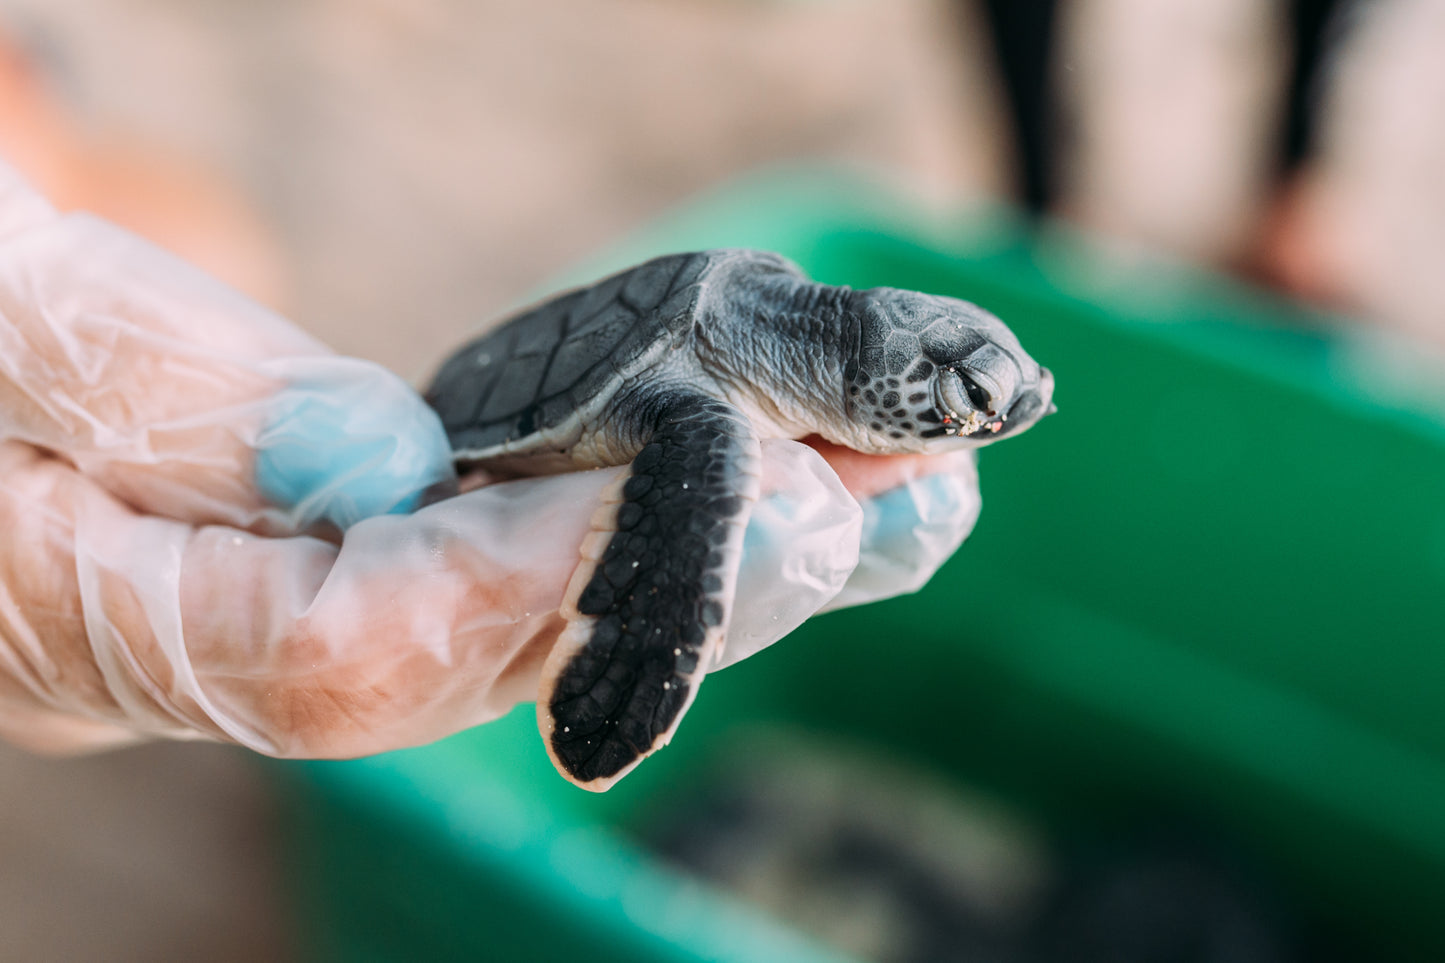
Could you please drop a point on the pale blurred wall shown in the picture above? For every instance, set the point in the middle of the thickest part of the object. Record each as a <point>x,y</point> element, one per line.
<point>427,162</point>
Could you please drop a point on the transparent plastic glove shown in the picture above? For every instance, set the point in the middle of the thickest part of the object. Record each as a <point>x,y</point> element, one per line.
<point>177,470</point>
<point>184,399</point>
<point>915,511</point>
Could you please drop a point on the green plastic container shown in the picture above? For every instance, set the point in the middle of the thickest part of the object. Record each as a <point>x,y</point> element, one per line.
<point>1212,583</point>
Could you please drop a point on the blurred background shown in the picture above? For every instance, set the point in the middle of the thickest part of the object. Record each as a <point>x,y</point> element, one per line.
<point>393,173</point>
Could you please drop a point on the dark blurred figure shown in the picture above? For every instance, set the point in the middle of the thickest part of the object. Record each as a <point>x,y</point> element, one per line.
<point>1295,141</point>
<point>1023,34</point>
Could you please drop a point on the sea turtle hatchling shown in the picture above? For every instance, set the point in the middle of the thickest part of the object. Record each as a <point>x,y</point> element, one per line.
<point>677,368</point>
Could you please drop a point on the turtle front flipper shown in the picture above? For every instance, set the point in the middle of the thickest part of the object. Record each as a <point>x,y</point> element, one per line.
<point>648,605</point>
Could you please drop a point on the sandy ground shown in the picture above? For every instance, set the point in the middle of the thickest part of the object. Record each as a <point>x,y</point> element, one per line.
<point>407,169</point>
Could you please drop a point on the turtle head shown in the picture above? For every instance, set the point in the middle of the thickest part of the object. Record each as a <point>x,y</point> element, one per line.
<point>932,373</point>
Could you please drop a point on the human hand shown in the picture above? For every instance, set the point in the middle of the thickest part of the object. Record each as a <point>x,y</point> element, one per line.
<point>914,513</point>
<point>193,500</point>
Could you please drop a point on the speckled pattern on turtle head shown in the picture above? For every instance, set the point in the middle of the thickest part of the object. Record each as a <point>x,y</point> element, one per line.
<point>677,368</point>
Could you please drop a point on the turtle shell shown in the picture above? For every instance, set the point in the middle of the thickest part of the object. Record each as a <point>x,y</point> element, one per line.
<point>524,384</point>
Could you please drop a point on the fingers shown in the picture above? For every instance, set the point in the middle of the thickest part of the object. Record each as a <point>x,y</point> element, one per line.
<point>108,336</point>
<point>868,475</point>
<point>800,547</point>
<point>836,528</point>
<point>414,627</point>
<point>909,531</point>
<point>161,384</point>
<point>346,440</point>
<point>113,622</point>
<point>140,369</point>
<point>917,510</point>
<point>51,690</point>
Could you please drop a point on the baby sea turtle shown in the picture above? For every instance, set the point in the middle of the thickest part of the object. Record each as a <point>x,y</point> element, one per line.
<point>677,368</point>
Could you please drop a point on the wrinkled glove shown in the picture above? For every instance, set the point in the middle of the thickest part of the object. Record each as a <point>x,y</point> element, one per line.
<point>204,526</point>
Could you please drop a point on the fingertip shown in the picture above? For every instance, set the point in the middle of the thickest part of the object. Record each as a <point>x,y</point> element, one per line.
<point>347,440</point>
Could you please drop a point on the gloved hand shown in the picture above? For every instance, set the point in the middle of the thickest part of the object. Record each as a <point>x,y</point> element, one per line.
<point>203,528</point>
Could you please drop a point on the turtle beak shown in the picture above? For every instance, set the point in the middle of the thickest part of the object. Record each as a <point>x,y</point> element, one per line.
<point>1046,391</point>
<point>1033,405</point>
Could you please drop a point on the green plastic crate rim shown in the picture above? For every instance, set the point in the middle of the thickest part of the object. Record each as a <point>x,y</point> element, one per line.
<point>1211,583</point>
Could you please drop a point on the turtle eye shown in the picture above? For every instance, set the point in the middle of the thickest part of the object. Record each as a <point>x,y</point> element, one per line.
<point>966,389</point>
<point>961,392</point>
<point>978,395</point>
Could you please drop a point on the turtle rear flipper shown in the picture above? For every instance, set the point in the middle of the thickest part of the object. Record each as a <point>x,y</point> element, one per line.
<point>647,612</point>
